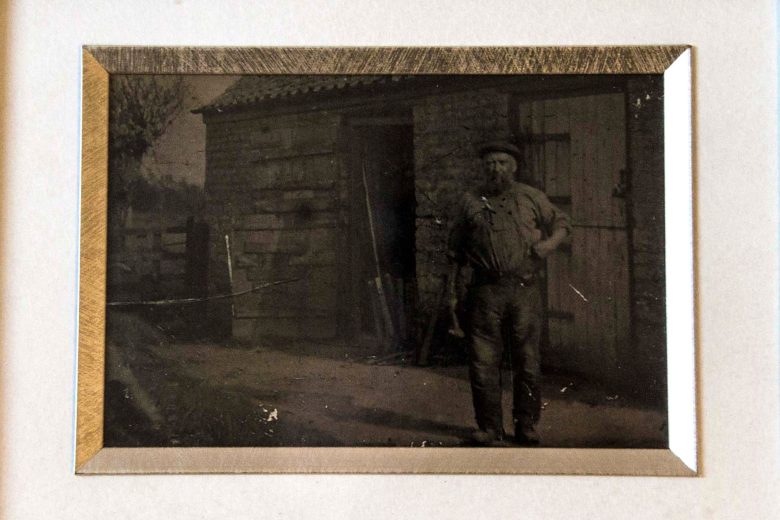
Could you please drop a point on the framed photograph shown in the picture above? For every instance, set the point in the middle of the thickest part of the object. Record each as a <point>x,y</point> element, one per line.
<point>387,260</point>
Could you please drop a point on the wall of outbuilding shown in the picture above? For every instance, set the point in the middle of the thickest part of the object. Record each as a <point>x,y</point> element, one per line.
<point>273,187</point>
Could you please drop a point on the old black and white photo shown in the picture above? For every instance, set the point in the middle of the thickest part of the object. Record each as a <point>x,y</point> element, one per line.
<point>386,260</point>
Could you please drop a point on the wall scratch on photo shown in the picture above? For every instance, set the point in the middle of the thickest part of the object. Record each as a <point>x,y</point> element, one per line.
<point>578,292</point>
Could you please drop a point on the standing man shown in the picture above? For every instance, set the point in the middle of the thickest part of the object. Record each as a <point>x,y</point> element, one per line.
<point>504,230</point>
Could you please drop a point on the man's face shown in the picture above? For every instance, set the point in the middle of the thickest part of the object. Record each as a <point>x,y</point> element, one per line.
<point>499,169</point>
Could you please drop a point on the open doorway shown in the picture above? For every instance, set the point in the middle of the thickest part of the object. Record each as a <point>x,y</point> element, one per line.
<point>383,228</point>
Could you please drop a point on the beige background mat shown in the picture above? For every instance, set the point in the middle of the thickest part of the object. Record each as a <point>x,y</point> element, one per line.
<point>736,193</point>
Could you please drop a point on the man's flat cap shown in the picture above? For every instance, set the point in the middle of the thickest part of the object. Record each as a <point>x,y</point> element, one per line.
<point>500,146</point>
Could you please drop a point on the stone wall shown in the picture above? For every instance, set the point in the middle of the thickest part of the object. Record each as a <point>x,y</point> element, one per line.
<point>274,186</point>
<point>447,131</point>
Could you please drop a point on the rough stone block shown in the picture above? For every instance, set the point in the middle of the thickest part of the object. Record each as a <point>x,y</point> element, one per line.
<point>261,221</point>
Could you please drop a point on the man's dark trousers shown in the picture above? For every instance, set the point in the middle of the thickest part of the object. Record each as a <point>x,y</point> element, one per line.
<point>513,307</point>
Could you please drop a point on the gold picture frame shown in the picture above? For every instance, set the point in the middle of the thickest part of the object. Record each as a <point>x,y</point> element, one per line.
<point>99,63</point>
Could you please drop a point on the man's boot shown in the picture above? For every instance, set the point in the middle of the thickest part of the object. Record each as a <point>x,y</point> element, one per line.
<point>489,438</point>
<point>525,434</point>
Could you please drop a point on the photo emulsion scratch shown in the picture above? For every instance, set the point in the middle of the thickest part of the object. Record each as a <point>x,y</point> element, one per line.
<point>386,261</point>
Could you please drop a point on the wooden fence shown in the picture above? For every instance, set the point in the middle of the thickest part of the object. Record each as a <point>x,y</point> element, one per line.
<point>159,262</point>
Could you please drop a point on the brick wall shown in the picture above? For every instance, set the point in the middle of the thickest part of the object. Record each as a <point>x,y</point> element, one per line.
<point>273,186</point>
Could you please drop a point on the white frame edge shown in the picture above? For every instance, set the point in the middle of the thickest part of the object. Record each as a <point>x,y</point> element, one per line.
<point>680,278</point>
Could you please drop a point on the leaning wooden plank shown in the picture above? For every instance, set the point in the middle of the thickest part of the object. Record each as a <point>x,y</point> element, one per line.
<point>400,292</point>
<point>378,280</point>
<point>392,298</point>
<point>375,315</point>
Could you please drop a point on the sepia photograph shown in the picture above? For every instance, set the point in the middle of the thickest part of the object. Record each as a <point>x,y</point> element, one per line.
<point>428,261</point>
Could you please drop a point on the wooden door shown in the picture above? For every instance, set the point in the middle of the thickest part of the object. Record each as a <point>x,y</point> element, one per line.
<point>575,150</point>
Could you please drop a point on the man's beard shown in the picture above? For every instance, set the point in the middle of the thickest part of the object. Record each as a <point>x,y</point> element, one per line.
<point>497,186</point>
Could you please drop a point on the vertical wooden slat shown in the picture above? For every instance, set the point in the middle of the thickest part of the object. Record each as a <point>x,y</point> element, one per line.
<point>567,337</point>
<point>524,118</point>
<point>563,150</point>
<point>578,324</point>
<point>618,153</point>
<point>619,253</point>
<point>601,201</point>
<point>578,239</point>
<point>548,177</point>
<point>563,164</point>
<point>623,297</point>
<point>608,138</point>
<point>617,112</point>
<point>553,303</point>
<point>584,135</point>
<point>563,272</point>
<point>619,285</point>
<point>604,290</point>
<point>577,161</point>
<point>550,126</point>
<point>601,174</point>
<point>608,288</point>
<point>92,263</point>
<point>603,295</point>
<point>534,159</point>
<point>557,183</point>
<point>592,268</point>
<point>524,126</point>
<point>594,275</point>
<point>614,295</point>
<point>622,294</point>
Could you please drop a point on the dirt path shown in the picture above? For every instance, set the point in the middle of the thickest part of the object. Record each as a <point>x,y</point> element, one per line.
<point>333,395</point>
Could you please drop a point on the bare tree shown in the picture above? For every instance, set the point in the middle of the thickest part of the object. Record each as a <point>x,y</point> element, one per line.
<point>141,107</point>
